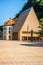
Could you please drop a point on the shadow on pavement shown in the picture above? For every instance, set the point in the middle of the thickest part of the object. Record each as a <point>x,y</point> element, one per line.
<point>34,44</point>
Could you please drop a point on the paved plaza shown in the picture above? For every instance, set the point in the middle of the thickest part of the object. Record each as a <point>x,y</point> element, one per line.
<point>21,53</point>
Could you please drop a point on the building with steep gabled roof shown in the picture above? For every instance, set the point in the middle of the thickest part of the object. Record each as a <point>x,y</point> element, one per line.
<point>26,23</point>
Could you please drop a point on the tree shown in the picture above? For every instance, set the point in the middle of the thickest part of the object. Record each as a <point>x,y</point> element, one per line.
<point>1,28</point>
<point>38,7</point>
<point>1,31</point>
<point>41,20</point>
<point>17,15</point>
<point>41,29</point>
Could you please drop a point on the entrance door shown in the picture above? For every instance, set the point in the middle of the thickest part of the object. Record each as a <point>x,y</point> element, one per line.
<point>15,36</point>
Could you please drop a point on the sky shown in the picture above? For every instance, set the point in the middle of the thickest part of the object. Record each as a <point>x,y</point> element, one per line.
<point>9,8</point>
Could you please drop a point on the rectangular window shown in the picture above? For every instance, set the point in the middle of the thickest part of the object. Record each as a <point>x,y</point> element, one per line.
<point>25,32</point>
<point>24,38</point>
<point>9,32</point>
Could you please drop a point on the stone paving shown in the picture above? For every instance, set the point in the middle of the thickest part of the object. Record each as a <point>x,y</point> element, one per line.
<point>13,53</point>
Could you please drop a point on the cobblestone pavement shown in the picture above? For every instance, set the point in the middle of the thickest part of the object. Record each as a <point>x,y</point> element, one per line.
<point>13,53</point>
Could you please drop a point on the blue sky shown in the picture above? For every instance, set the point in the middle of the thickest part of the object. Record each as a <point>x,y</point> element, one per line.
<point>9,8</point>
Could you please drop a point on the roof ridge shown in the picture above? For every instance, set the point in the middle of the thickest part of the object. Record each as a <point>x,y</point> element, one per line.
<point>27,10</point>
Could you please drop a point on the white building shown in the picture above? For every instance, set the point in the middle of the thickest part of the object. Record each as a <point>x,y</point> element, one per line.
<point>8,29</point>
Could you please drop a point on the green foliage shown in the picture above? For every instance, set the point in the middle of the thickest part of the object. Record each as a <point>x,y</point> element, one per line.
<point>38,7</point>
<point>1,31</point>
<point>1,34</point>
<point>41,20</point>
<point>17,15</point>
<point>41,29</point>
<point>41,2</point>
<point>1,28</point>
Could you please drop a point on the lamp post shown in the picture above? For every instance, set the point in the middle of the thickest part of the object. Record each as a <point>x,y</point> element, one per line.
<point>27,31</point>
<point>31,35</point>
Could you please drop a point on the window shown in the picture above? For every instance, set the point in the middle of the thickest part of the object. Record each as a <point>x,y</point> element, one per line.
<point>24,38</point>
<point>9,28</point>
<point>9,32</point>
<point>25,32</point>
<point>4,28</point>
